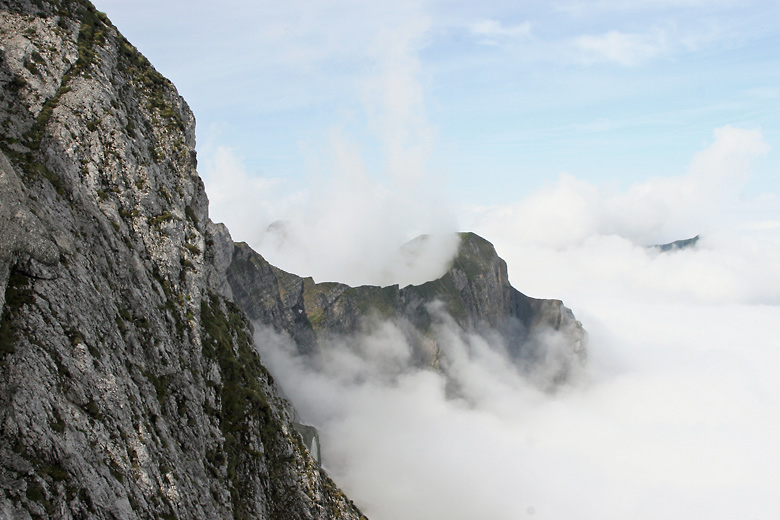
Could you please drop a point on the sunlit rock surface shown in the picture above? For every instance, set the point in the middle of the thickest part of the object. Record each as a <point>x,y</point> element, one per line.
<point>130,386</point>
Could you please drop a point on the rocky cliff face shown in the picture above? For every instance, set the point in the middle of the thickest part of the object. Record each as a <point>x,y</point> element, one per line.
<point>475,292</point>
<point>129,385</point>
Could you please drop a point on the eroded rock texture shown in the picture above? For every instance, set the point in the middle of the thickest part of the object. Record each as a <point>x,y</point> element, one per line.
<point>129,385</point>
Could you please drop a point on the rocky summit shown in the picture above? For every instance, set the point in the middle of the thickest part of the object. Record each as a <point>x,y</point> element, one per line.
<point>130,384</point>
<point>474,293</point>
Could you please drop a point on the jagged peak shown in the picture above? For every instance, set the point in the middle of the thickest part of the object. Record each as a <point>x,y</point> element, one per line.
<point>474,292</point>
<point>476,255</point>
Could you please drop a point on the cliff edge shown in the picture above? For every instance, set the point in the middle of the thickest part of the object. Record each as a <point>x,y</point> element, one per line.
<point>474,292</point>
<point>129,386</point>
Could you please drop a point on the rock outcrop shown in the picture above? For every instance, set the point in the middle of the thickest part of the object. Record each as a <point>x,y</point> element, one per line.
<point>475,292</point>
<point>129,385</point>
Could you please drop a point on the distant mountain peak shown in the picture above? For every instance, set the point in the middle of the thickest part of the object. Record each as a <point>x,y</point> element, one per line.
<point>687,243</point>
<point>474,292</point>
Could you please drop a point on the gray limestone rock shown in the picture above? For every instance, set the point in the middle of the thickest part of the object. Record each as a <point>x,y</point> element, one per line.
<point>475,292</point>
<point>129,383</point>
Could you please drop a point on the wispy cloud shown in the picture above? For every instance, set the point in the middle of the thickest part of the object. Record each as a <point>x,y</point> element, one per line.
<point>623,48</point>
<point>588,7</point>
<point>394,99</point>
<point>572,220</point>
<point>360,207</point>
<point>493,32</point>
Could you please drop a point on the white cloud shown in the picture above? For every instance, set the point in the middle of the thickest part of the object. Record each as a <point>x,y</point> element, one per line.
<point>351,222</point>
<point>767,224</point>
<point>245,201</point>
<point>623,48</point>
<point>394,100</point>
<point>675,418</point>
<point>351,228</point>
<point>348,225</point>
<point>657,210</point>
<point>577,240</point>
<point>588,7</point>
<point>675,415</point>
<point>496,28</point>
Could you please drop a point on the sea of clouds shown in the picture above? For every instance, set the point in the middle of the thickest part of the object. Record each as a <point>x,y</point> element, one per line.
<point>675,414</point>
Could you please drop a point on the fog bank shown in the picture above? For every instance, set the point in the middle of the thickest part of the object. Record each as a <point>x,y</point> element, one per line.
<point>674,416</point>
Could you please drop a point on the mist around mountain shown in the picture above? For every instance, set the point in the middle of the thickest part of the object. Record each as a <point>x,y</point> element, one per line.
<point>133,385</point>
<point>678,244</point>
<point>132,381</point>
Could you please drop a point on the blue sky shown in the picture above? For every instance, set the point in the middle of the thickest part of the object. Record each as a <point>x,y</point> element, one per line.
<point>492,100</point>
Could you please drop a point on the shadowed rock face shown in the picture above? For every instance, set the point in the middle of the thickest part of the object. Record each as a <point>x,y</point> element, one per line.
<point>475,292</point>
<point>129,385</point>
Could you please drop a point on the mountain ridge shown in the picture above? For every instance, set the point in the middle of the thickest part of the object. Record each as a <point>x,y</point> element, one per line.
<point>130,383</point>
<point>474,291</point>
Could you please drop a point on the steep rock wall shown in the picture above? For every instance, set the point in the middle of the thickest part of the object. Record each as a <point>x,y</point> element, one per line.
<point>129,384</point>
<point>475,292</point>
